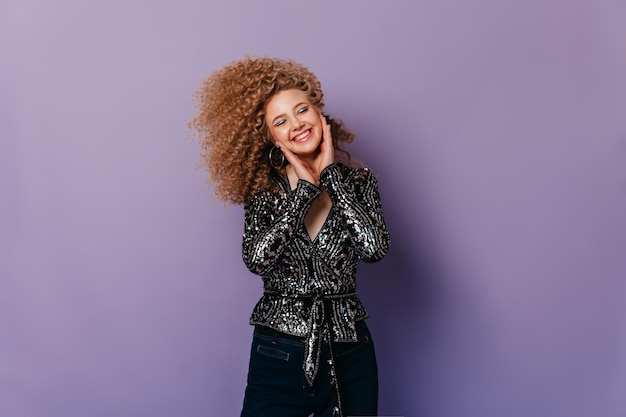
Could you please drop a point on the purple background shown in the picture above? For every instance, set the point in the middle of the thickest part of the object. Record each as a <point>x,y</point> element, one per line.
<point>497,130</point>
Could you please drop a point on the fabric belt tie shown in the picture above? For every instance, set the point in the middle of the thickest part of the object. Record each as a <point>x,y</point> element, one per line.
<point>321,331</point>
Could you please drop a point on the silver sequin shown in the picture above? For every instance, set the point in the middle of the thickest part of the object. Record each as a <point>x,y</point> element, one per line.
<point>303,278</point>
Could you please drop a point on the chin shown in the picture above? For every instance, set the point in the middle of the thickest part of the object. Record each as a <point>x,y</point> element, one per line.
<point>308,151</point>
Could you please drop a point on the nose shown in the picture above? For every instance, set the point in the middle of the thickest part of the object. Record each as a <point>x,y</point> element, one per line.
<point>296,124</point>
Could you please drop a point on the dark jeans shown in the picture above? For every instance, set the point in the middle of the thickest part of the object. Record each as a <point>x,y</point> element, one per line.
<point>277,386</point>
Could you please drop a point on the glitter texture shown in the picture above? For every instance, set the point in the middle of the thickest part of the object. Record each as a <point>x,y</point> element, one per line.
<point>310,286</point>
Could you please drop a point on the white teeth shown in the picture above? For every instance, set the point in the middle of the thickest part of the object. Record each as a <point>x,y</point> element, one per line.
<point>301,135</point>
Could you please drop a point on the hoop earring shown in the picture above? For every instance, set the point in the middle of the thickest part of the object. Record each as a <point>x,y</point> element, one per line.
<point>277,164</point>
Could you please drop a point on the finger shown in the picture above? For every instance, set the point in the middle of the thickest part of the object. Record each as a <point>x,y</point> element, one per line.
<point>291,157</point>
<point>328,138</point>
<point>302,169</point>
<point>327,149</point>
<point>288,154</point>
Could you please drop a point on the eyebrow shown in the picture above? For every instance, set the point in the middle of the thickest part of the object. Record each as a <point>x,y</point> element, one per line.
<point>283,114</point>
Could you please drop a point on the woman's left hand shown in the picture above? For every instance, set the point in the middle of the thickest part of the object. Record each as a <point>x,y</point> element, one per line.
<point>326,155</point>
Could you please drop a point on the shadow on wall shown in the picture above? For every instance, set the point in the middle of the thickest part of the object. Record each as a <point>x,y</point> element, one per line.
<point>401,291</point>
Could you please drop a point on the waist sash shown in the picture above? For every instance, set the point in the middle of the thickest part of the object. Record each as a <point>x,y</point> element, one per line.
<point>320,331</point>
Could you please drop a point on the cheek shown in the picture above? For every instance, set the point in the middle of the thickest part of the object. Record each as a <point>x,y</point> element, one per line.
<point>279,135</point>
<point>272,134</point>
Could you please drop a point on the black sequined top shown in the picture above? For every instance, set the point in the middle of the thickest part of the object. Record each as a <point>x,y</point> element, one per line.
<point>311,283</point>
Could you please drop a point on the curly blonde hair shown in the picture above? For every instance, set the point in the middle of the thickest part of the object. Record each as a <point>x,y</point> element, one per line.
<point>230,124</point>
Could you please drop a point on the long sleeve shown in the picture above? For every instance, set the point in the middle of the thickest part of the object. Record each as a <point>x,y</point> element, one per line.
<point>358,202</point>
<point>270,225</point>
<point>310,284</point>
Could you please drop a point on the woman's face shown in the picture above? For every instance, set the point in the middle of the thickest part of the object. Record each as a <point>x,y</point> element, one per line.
<point>294,123</point>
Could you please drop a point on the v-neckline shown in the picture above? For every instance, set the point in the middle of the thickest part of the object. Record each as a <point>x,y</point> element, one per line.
<point>312,239</point>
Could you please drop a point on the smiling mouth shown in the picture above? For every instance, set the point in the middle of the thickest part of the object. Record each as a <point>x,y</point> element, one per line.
<point>301,136</point>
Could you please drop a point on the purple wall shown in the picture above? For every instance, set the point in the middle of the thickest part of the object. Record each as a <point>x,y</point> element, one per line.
<point>498,132</point>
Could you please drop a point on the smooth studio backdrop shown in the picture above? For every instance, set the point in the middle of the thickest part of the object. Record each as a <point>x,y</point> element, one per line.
<point>497,130</point>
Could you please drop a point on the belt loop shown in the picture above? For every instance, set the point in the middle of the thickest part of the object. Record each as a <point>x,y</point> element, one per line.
<point>274,336</point>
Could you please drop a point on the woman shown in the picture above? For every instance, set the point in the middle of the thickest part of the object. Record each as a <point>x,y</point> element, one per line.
<point>309,219</point>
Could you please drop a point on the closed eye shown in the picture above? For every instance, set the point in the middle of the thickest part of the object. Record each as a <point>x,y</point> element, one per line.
<point>302,110</point>
<point>280,122</point>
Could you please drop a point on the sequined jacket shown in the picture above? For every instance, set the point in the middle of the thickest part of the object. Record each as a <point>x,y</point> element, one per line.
<point>308,282</point>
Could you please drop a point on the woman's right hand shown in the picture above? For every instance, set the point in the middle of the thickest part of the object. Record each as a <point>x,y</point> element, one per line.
<point>302,169</point>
